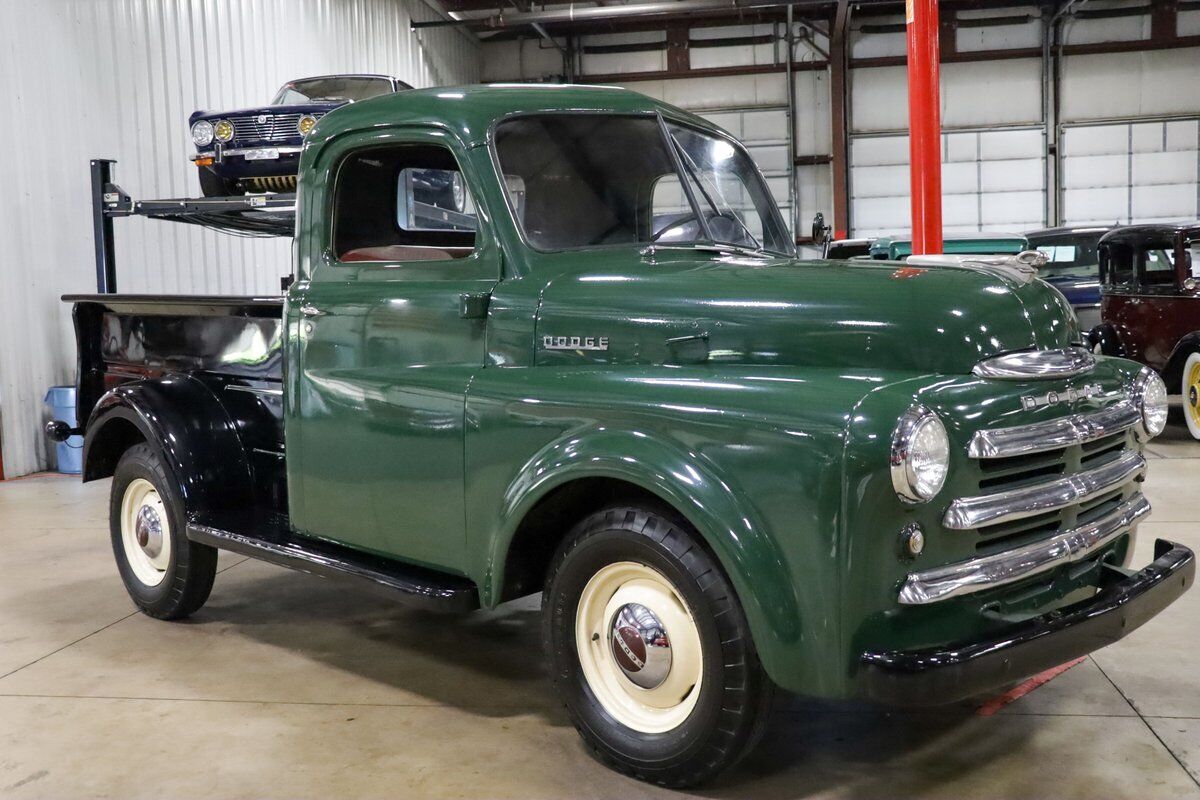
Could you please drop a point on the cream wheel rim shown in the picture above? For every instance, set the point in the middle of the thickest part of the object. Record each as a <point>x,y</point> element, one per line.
<point>145,532</point>
<point>639,647</point>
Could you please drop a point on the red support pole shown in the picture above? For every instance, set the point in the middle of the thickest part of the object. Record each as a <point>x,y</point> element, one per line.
<point>924,126</point>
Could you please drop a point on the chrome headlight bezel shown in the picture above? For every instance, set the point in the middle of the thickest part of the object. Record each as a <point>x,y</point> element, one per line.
<point>223,125</point>
<point>1150,397</point>
<point>202,133</point>
<point>910,438</point>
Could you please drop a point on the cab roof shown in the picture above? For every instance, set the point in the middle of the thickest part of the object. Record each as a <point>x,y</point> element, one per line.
<point>1136,234</point>
<point>469,111</point>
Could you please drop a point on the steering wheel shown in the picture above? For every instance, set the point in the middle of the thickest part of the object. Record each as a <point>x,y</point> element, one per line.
<point>675,223</point>
<point>685,218</point>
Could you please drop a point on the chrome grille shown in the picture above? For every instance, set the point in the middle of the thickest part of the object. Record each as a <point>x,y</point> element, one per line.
<point>1030,491</point>
<point>273,128</point>
<point>1047,494</point>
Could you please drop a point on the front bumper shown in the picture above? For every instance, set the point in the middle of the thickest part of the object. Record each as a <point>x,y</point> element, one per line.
<point>231,163</point>
<point>933,676</point>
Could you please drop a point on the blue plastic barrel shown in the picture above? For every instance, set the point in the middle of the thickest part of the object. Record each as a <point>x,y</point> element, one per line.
<point>61,400</point>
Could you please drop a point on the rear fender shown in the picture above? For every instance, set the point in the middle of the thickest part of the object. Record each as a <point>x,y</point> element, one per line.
<point>179,417</point>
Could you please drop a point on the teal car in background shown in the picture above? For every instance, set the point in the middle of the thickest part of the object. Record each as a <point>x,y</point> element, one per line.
<point>898,248</point>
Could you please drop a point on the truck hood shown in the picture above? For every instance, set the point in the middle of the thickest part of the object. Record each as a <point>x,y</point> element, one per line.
<point>693,306</point>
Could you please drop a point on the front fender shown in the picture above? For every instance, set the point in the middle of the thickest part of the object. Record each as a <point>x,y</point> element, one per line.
<point>179,417</point>
<point>682,479</point>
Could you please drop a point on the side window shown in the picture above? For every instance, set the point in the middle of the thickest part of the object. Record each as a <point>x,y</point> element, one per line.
<point>1116,262</point>
<point>402,203</point>
<point>1191,251</point>
<point>1156,266</point>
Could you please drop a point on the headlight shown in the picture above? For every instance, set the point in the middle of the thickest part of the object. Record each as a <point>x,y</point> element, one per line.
<point>306,124</point>
<point>223,130</point>
<point>920,457</point>
<point>202,133</point>
<point>1150,395</point>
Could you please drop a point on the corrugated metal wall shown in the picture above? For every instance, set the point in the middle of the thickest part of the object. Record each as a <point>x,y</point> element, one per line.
<point>118,78</point>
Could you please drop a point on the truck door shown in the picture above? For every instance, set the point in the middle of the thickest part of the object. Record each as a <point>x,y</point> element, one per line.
<point>387,333</point>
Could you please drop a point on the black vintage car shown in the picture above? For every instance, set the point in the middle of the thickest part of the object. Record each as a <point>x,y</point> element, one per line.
<point>258,149</point>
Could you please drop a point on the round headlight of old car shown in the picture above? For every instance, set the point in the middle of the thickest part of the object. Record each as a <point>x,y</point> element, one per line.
<point>306,124</point>
<point>1150,396</point>
<point>202,133</point>
<point>223,130</point>
<point>920,456</point>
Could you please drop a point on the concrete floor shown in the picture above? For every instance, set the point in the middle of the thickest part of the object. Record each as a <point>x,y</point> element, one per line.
<point>287,686</point>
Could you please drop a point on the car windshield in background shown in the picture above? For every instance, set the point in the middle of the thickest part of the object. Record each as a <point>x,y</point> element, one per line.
<point>332,88</point>
<point>1070,256</point>
<point>588,180</point>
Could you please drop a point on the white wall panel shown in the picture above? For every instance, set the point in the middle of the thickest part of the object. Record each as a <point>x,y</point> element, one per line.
<point>1131,172</point>
<point>88,78</point>
<point>734,91</point>
<point>1122,85</point>
<point>974,94</point>
<point>529,59</point>
<point>991,181</point>
<point>999,37</point>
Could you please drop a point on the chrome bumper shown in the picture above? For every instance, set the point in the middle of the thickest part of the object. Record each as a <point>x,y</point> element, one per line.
<point>285,150</point>
<point>988,572</point>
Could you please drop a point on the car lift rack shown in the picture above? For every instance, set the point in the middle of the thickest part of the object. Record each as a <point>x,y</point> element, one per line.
<point>244,215</point>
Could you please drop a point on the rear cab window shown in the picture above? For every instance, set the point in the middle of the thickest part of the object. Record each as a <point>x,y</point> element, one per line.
<point>400,204</point>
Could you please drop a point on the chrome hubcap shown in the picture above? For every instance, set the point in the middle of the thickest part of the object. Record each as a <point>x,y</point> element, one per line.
<point>640,645</point>
<point>148,531</point>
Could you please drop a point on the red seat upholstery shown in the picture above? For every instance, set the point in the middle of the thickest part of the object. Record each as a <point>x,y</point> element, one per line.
<point>405,252</point>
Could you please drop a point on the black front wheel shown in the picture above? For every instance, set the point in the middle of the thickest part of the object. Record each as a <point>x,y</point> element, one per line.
<point>167,575</point>
<point>650,648</point>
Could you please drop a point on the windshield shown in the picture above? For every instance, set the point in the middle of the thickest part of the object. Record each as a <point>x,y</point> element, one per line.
<point>1073,256</point>
<point>332,88</point>
<point>590,180</point>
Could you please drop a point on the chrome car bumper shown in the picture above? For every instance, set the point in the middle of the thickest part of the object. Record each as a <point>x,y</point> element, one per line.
<point>286,150</point>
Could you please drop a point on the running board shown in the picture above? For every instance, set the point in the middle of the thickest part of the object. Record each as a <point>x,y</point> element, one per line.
<point>415,585</point>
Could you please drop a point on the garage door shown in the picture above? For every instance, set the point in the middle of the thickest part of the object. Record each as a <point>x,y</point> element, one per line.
<point>1131,172</point>
<point>991,181</point>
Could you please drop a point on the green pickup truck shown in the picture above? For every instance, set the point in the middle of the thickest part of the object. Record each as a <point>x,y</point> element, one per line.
<point>608,379</point>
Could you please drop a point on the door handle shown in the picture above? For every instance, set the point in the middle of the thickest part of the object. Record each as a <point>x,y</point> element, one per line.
<point>311,311</point>
<point>473,305</point>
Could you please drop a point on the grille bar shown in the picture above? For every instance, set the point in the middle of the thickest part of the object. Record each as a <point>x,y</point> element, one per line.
<point>966,513</point>
<point>273,128</point>
<point>989,572</point>
<point>1054,434</point>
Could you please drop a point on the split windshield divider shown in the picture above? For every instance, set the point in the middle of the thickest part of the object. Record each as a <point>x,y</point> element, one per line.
<point>683,175</point>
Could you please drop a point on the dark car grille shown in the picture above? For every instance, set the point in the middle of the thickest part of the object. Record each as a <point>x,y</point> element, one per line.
<point>272,128</point>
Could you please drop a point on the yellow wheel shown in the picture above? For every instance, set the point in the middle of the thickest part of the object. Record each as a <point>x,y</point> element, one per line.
<point>1191,394</point>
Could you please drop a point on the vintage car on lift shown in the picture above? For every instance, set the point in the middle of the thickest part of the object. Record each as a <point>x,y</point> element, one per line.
<point>1073,267</point>
<point>725,469</point>
<point>1150,304</point>
<point>258,149</point>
